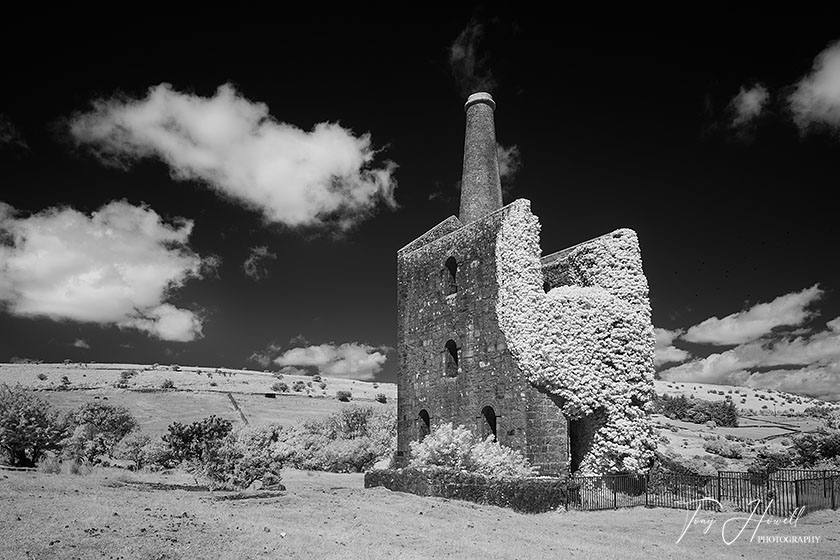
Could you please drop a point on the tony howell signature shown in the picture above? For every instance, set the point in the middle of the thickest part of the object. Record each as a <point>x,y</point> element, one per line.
<point>737,524</point>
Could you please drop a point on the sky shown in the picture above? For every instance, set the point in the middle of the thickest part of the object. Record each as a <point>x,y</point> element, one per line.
<point>233,192</point>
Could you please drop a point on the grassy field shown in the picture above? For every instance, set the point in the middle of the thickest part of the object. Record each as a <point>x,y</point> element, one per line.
<point>193,397</point>
<point>119,515</point>
<point>202,391</point>
<point>747,400</point>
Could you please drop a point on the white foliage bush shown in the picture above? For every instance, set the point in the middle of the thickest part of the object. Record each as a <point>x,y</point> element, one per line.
<point>458,449</point>
<point>590,344</point>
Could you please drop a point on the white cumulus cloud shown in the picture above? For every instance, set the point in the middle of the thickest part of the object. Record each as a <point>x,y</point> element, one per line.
<point>81,343</point>
<point>351,359</point>
<point>759,320</point>
<point>815,100</point>
<point>665,351</point>
<point>116,266</point>
<point>324,177</point>
<point>806,365</point>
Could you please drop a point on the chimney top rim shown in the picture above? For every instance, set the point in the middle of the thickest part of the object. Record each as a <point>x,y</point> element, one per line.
<point>480,97</point>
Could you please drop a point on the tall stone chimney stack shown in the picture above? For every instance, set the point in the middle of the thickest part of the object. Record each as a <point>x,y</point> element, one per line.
<point>481,189</point>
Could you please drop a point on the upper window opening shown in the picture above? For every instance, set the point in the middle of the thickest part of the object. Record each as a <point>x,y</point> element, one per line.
<point>451,358</point>
<point>450,276</point>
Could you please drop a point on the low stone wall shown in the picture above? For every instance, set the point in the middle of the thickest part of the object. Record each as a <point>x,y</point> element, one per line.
<point>526,495</point>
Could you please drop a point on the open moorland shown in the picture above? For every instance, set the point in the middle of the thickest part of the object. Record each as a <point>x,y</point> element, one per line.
<point>197,392</point>
<point>247,396</point>
<point>120,515</point>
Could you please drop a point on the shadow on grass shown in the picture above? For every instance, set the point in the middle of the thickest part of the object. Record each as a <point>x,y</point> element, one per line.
<point>222,497</point>
<point>159,486</point>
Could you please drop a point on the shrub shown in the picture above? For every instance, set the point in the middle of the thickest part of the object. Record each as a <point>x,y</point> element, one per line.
<point>817,411</point>
<point>724,449</point>
<point>196,441</point>
<point>175,367</point>
<point>132,448</point>
<point>97,428</point>
<point>352,439</point>
<point>280,387</point>
<point>381,398</point>
<point>458,449</point>
<point>156,454</point>
<point>343,396</point>
<point>28,427</point>
<point>316,378</point>
<point>213,384</point>
<point>167,384</point>
<point>65,382</point>
<point>699,411</point>
<point>673,462</point>
<point>322,385</point>
<point>492,459</point>
<point>244,458</point>
<point>42,376</point>
<point>298,386</point>
<point>767,461</point>
<point>125,377</point>
<point>816,447</point>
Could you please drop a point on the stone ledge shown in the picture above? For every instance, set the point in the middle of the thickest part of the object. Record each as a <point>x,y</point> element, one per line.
<point>525,495</point>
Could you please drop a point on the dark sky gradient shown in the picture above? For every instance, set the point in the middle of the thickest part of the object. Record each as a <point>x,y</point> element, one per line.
<point>616,126</point>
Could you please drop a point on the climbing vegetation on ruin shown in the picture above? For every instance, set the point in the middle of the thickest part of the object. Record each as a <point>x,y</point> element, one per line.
<point>590,344</point>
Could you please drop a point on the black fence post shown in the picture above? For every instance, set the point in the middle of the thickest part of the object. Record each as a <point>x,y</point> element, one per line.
<point>718,487</point>
<point>615,500</point>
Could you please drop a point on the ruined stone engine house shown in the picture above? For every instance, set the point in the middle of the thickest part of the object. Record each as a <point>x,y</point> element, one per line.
<point>463,337</point>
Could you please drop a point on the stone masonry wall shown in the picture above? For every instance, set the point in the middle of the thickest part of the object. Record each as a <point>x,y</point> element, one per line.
<point>527,420</point>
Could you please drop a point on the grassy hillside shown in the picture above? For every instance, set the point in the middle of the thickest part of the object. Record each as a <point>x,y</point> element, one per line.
<point>233,394</point>
<point>748,401</point>
<point>198,392</point>
<point>767,421</point>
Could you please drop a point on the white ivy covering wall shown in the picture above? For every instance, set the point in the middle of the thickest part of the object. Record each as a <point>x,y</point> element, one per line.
<point>590,345</point>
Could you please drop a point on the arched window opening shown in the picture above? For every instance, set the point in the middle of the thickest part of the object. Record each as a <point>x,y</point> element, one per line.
<point>450,281</point>
<point>425,423</point>
<point>489,425</point>
<point>451,356</point>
